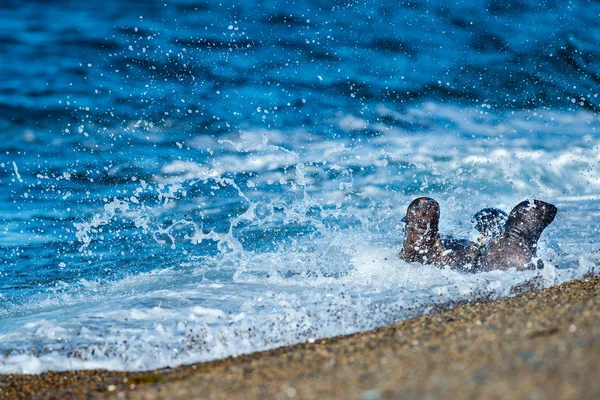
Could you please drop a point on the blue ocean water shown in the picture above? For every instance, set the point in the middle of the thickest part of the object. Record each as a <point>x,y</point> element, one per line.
<point>189,180</point>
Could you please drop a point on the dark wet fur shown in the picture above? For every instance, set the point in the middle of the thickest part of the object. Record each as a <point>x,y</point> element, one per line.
<point>489,222</point>
<point>423,243</point>
<point>517,245</point>
<point>505,241</point>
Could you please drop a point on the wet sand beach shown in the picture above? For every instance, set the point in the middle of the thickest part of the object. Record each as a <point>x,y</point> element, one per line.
<point>538,345</point>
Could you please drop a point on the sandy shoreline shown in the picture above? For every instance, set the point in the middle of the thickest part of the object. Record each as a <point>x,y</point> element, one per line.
<point>537,345</point>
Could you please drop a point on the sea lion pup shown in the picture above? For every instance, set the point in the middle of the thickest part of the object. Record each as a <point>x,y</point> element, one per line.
<point>422,242</point>
<point>489,222</point>
<point>517,245</point>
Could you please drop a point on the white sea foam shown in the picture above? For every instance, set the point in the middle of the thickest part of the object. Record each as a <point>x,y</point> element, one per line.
<point>193,322</point>
<point>335,270</point>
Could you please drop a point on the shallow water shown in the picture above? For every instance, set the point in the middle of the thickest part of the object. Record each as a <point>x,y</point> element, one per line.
<point>185,181</point>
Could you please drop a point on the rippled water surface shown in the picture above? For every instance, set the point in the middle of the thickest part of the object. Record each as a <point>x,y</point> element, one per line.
<point>184,181</point>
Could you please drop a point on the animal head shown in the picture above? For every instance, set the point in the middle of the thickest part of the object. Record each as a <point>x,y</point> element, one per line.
<point>422,214</point>
<point>489,222</point>
<point>529,219</point>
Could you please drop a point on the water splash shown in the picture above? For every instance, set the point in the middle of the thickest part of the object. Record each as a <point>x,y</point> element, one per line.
<point>192,190</point>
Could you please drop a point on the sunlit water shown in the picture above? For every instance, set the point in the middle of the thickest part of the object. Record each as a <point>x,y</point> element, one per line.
<point>188,181</point>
